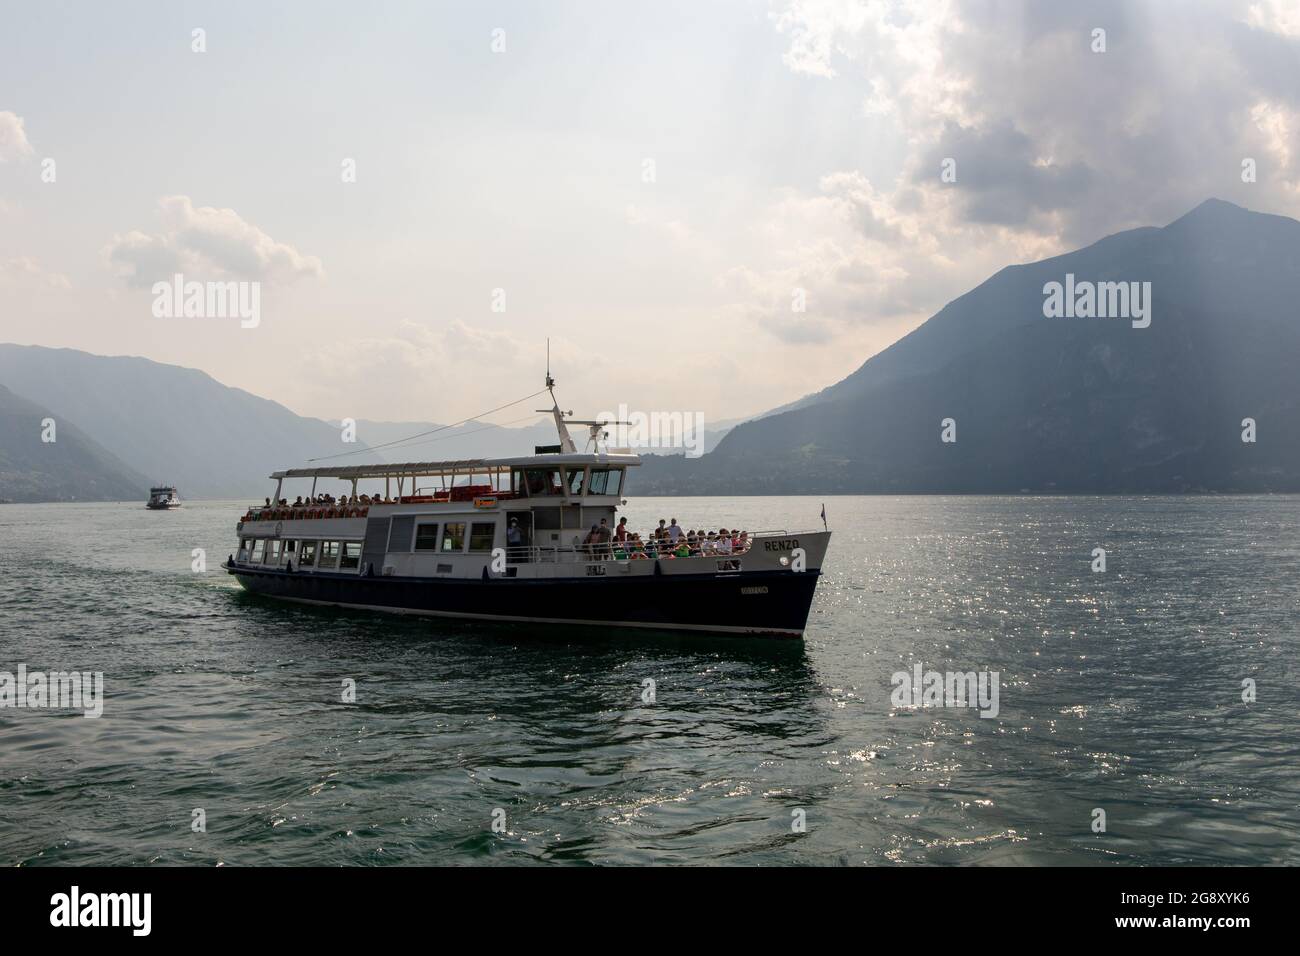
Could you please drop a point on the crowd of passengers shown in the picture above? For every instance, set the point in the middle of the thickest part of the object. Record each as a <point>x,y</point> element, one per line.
<point>669,540</point>
<point>329,501</point>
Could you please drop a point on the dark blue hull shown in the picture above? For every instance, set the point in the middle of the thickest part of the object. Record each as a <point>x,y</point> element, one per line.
<point>761,602</point>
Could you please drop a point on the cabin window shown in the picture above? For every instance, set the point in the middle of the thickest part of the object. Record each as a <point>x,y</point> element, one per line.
<point>307,557</point>
<point>329,554</point>
<point>258,545</point>
<point>543,481</point>
<point>290,547</point>
<point>517,481</point>
<point>605,481</point>
<point>481,535</point>
<point>273,551</point>
<point>351,556</point>
<point>453,536</point>
<point>575,481</point>
<point>426,537</point>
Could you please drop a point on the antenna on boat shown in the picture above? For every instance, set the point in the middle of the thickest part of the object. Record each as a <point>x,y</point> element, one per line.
<point>567,447</point>
<point>596,429</point>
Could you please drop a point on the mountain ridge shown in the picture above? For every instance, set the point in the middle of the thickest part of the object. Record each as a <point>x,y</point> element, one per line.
<point>1119,409</point>
<point>71,467</point>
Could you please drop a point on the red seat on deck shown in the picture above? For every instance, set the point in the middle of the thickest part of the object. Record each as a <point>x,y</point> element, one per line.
<point>469,492</point>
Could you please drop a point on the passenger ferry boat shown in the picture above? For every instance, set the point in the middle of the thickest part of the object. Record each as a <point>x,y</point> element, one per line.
<point>163,498</point>
<point>502,540</point>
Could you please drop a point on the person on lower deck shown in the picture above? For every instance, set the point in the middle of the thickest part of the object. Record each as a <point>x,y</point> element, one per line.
<point>590,541</point>
<point>514,542</point>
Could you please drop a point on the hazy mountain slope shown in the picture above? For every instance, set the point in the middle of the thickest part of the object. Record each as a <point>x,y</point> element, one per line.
<point>181,425</point>
<point>175,423</point>
<point>73,467</point>
<point>1083,404</point>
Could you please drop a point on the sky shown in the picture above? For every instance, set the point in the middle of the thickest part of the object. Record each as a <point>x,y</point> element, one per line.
<point>709,207</point>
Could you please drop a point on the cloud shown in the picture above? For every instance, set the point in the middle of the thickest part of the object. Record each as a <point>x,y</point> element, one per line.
<point>208,243</point>
<point>422,368</point>
<point>1276,16</point>
<point>1054,137</point>
<point>1055,145</point>
<point>27,271</point>
<point>13,138</point>
<point>858,258</point>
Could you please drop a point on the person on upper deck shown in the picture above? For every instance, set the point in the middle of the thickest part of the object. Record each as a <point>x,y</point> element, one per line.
<point>674,532</point>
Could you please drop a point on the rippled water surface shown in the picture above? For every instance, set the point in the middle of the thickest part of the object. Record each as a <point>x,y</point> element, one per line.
<point>1119,690</point>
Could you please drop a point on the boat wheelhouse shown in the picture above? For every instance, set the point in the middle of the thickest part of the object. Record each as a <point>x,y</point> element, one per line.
<point>509,540</point>
<point>163,498</point>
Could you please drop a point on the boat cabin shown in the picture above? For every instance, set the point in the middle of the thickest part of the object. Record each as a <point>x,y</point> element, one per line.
<point>435,518</point>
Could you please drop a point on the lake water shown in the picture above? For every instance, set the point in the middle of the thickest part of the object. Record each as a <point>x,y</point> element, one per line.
<point>1119,691</point>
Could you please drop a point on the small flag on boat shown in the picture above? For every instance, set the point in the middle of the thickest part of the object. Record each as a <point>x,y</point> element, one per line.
<point>824,524</point>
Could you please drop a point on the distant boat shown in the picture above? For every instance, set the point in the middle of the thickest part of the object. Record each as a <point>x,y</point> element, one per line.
<point>163,498</point>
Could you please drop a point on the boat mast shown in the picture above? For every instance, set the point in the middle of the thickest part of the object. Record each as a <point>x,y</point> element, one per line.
<point>566,441</point>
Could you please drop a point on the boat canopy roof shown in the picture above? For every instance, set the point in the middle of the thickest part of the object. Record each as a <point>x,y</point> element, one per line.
<point>466,466</point>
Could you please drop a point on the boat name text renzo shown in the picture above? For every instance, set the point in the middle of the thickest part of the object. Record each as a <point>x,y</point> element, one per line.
<point>1098,300</point>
